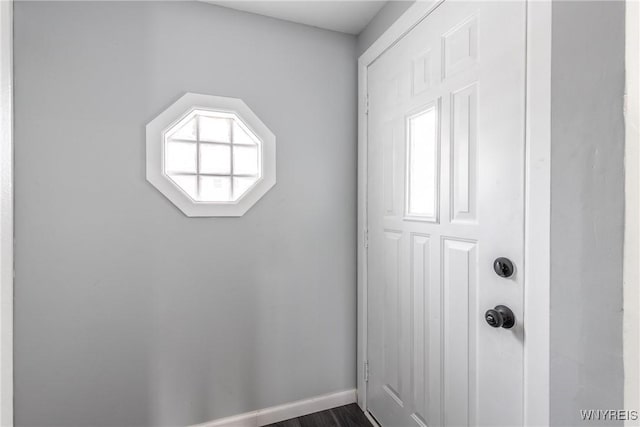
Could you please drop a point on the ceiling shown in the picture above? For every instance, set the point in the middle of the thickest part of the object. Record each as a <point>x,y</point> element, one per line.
<point>345,16</point>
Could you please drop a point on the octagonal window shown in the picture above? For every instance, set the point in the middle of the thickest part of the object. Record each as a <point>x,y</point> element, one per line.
<point>210,155</point>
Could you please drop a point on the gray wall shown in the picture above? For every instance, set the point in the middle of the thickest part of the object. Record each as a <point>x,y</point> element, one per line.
<point>587,196</point>
<point>389,13</point>
<point>128,313</point>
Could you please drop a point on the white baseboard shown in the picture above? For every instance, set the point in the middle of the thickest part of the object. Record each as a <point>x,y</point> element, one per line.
<point>274,414</point>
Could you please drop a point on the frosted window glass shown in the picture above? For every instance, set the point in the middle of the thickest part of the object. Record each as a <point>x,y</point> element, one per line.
<point>215,158</point>
<point>212,156</point>
<point>422,164</point>
<point>215,129</point>
<point>240,136</point>
<point>245,160</point>
<point>215,189</point>
<point>241,185</point>
<point>187,183</point>
<point>180,157</point>
<point>186,131</point>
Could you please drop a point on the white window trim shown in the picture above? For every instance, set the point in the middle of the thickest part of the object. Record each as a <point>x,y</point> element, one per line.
<point>155,146</point>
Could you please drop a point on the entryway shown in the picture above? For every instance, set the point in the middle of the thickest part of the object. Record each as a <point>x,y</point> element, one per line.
<point>445,204</point>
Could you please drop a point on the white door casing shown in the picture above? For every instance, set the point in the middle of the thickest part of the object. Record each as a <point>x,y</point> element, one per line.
<point>457,80</point>
<point>6,213</point>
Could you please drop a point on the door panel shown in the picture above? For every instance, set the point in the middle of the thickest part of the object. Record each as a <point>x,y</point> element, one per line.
<point>425,368</point>
<point>445,198</point>
<point>459,279</point>
<point>392,316</point>
<point>463,155</point>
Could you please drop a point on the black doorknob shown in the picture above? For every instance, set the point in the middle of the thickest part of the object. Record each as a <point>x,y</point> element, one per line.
<point>500,316</point>
<point>503,267</point>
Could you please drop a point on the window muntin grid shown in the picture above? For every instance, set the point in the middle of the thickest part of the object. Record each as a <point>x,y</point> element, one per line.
<point>212,156</point>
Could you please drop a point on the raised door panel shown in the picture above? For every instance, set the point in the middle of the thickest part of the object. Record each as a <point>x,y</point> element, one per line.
<point>463,155</point>
<point>425,337</point>
<point>459,281</point>
<point>392,324</point>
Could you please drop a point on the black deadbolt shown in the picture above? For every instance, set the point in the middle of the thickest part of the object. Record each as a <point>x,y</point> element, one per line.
<point>503,267</point>
<point>501,316</point>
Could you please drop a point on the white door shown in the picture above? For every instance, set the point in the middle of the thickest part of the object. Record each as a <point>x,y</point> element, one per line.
<point>446,129</point>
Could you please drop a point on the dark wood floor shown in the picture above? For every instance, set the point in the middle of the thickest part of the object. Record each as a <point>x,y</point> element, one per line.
<point>343,416</point>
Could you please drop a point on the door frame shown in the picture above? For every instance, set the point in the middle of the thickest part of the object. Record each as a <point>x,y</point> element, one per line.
<point>6,213</point>
<point>537,200</point>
